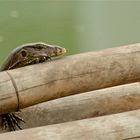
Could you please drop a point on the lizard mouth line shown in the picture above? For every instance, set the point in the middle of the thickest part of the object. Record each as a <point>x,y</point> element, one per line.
<point>37,60</point>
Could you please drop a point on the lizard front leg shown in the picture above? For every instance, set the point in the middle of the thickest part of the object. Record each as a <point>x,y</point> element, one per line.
<point>11,120</point>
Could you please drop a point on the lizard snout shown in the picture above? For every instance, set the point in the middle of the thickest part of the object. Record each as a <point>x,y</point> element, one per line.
<point>60,51</point>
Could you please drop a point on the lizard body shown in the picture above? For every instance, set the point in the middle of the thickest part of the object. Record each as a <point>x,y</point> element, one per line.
<point>27,54</point>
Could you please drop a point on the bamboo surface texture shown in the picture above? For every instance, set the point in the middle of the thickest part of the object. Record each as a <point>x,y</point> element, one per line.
<point>81,106</point>
<point>123,126</point>
<point>86,105</point>
<point>68,76</point>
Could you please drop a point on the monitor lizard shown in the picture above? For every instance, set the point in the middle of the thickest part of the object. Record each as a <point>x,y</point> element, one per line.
<point>24,55</point>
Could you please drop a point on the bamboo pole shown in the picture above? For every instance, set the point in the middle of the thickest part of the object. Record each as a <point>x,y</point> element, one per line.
<point>121,126</point>
<point>68,76</point>
<point>86,105</point>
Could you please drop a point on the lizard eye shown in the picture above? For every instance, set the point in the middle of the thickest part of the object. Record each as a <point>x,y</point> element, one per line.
<point>24,53</point>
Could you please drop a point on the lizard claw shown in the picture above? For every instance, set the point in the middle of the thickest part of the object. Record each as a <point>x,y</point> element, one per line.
<point>11,121</point>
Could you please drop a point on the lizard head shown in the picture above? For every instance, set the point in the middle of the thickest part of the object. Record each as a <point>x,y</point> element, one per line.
<point>39,52</point>
<point>32,53</point>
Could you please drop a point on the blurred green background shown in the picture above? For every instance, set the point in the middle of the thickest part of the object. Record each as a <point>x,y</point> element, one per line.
<point>77,25</point>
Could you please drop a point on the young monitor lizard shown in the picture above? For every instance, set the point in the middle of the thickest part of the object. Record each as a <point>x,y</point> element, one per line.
<point>27,54</point>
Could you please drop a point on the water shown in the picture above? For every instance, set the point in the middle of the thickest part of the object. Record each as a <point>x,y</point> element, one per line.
<point>77,25</point>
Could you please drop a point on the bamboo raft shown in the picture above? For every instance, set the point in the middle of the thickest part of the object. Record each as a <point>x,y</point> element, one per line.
<point>100,90</point>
